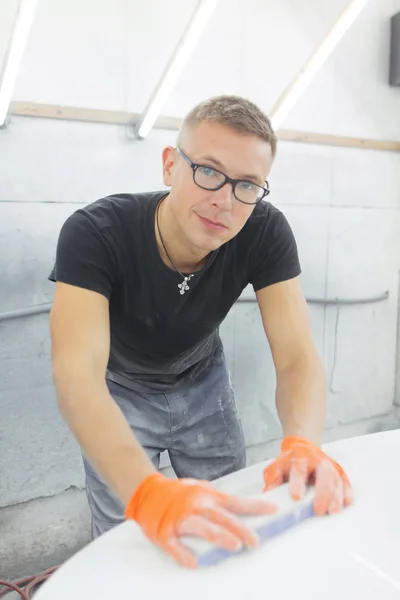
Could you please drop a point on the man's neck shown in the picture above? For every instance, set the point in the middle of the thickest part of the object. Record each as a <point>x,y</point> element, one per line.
<point>174,248</point>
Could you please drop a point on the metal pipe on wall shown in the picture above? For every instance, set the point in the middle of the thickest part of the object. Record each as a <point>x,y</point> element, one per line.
<point>25,312</point>
<point>44,308</point>
<point>397,378</point>
<point>335,301</point>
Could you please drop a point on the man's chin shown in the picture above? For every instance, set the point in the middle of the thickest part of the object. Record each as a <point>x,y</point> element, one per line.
<point>209,243</point>
<point>213,247</point>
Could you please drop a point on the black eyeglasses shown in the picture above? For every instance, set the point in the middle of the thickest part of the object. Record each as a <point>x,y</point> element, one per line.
<point>211,179</point>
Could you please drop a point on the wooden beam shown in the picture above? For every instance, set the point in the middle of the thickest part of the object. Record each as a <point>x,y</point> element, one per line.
<point>287,135</point>
<point>114,117</point>
<point>87,115</point>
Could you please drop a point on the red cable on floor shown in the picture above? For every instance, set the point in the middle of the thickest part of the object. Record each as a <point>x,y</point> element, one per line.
<point>12,587</point>
<point>29,583</point>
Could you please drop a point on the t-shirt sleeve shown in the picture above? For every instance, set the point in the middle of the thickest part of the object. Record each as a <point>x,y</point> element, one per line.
<point>275,257</point>
<point>84,256</point>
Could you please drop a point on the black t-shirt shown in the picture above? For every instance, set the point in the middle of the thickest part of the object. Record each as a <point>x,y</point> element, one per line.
<point>159,337</point>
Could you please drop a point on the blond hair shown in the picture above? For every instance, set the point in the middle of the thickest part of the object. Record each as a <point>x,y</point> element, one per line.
<point>235,112</point>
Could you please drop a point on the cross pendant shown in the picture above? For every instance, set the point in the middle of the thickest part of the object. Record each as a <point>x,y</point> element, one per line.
<point>183,287</point>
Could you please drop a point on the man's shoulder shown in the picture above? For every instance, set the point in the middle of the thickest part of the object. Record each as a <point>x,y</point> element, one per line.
<point>120,210</point>
<point>264,219</point>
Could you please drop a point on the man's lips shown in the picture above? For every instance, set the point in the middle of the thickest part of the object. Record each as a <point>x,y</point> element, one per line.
<point>215,225</point>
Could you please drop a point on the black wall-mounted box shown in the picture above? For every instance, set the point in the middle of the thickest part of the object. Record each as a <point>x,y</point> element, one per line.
<point>394,73</point>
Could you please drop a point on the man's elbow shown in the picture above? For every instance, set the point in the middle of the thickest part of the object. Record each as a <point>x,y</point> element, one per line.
<point>305,359</point>
<point>71,379</point>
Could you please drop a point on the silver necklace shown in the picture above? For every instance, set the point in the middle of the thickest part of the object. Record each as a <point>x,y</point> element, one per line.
<point>183,287</point>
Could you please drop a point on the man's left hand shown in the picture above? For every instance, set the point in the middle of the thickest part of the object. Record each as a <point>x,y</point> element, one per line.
<point>300,463</point>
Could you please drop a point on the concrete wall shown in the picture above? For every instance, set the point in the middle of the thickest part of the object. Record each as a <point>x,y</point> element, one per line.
<point>343,204</point>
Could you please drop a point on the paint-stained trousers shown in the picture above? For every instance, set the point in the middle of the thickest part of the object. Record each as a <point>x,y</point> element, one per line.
<point>199,426</point>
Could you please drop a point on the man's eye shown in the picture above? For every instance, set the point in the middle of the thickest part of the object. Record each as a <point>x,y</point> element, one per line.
<point>207,171</point>
<point>246,186</point>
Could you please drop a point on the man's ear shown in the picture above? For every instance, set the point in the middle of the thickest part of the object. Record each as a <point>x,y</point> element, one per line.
<point>168,161</point>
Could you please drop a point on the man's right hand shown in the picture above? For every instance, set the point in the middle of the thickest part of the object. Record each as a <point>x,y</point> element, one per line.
<point>167,509</point>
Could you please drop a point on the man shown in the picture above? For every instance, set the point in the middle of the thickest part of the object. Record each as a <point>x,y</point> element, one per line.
<point>143,283</point>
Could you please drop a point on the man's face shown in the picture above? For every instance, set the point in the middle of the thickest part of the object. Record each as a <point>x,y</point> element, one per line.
<point>208,219</point>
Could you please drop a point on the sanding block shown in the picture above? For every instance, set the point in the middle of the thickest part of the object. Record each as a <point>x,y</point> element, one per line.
<point>290,512</point>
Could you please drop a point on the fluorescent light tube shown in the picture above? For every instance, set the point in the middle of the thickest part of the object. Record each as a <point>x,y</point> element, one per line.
<point>174,67</point>
<point>15,51</point>
<point>296,89</point>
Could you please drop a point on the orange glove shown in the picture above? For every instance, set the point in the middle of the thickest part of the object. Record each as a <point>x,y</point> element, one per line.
<point>169,508</point>
<point>302,462</point>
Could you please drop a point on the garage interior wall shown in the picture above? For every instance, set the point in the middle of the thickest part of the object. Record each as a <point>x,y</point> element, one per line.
<point>343,205</point>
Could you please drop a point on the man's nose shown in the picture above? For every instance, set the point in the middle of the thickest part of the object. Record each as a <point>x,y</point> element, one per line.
<point>224,197</point>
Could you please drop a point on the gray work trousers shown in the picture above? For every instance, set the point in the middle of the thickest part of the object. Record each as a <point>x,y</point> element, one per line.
<point>199,426</point>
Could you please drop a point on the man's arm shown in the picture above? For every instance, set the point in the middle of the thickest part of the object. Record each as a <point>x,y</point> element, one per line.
<point>301,397</point>
<point>80,335</point>
<point>301,392</point>
<point>166,509</point>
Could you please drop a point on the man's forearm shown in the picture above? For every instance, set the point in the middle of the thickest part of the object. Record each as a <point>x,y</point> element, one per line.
<point>301,397</point>
<point>104,435</point>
